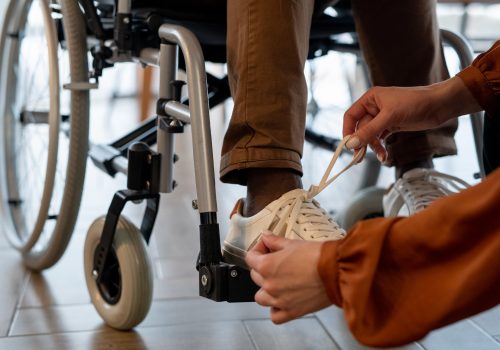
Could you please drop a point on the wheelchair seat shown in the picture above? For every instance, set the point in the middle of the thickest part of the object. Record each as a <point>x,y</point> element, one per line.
<point>207,20</point>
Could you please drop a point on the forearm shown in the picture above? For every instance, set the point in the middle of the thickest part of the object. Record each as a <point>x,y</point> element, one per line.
<point>399,278</point>
<point>452,98</point>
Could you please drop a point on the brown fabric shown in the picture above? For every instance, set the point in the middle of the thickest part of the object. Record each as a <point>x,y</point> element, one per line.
<point>483,79</point>
<point>267,46</point>
<point>327,269</point>
<point>266,49</point>
<point>388,31</point>
<point>400,278</point>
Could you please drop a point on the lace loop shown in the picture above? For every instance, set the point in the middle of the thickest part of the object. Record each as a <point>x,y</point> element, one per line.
<point>302,209</point>
<point>420,192</point>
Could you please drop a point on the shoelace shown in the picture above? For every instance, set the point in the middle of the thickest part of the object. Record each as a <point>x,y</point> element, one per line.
<point>421,192</point>
<point>300,208</point>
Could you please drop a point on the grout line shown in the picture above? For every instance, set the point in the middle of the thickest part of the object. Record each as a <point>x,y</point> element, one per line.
<point>482,330</point>
<point>106,329</point>
<point>28,307</point>
<point>52,306</point>
<point>249,334</point>
<point>24,287</point>
<point>326,331</point>
<point>420,346</point>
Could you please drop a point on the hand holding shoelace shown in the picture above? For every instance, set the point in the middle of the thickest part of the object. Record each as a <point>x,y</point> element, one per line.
<point>382,111</point>
<point>286,271</point>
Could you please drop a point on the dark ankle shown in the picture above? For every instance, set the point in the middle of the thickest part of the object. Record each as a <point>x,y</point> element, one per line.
<point>401,169</point>
<point>265,185</point>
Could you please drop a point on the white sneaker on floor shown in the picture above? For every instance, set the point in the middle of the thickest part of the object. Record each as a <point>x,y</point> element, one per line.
<point>295,215</point>
<point>417,189</point>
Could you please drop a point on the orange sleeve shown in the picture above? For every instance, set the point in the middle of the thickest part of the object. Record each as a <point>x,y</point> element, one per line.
<point>482,78</point>
<point>399,278</point>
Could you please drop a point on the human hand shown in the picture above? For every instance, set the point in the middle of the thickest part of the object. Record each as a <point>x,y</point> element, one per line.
<point>286,271</point>
<point>382,111</point>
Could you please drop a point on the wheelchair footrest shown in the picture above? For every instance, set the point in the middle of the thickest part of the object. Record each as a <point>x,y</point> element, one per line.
<point>226,282</point>
<point>102,156</point>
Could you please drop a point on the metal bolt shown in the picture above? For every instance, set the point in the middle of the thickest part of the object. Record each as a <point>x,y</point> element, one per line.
<point>234,273</point>
<point>148,185</point>
<point>150,158</point>
<point>204,280</point>
<point>194,204</point>
<point>174,123</point>
<point>126,20</point>
<point>95,274</point>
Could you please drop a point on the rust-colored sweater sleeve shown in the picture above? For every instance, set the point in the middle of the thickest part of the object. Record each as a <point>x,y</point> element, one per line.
<point>482,78</point>
<point>399,278</point>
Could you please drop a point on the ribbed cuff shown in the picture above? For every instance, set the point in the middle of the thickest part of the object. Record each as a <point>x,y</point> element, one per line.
<point>479,87</point>
<point>329,272</point>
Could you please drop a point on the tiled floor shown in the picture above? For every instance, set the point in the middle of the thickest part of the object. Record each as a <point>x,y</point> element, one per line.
<point>52,310</point>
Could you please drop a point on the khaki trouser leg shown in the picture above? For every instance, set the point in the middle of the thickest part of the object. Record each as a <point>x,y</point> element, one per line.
<point>401,44</point>
<point>267,48</point>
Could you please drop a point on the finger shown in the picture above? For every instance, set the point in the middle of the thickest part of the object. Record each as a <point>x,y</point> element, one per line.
<point>274,243</point>
<point>354,114</point>
<point>260,247</point>
<point>384,135</point>
<point>379,150</point>
<point>279,316</point>
<point>359,150</point>
<point>254,259</point>
<point>257,277</point>
<point>368,132</point>
<point>263,298</point>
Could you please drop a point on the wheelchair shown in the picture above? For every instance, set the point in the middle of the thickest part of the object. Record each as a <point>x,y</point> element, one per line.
<point>44,141</point>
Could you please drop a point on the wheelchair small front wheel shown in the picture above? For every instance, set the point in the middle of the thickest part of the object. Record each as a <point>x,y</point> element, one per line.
<point>123,295</point>
<point>366,204</point>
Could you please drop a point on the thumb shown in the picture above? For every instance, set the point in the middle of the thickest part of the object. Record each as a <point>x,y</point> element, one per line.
<point>273,243</point>
<point>369,131</point>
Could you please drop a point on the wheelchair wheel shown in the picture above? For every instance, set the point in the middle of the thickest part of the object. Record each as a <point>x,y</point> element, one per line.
<point>44,129</point>
<point>366,204</point>
<point>123,296</point>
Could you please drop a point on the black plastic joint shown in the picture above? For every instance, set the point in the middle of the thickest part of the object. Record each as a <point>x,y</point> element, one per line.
<point>210,252</point>
<point>143,168</point>
<point>225,282</point>
<point>171,126</point>
<point>160,106</point>
<point>177,89</point>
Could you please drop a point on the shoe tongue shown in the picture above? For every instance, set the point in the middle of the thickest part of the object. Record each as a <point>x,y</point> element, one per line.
<point>416,173</point>
<point>292,194</point>
<point>296,191</point>
<point>285,197</point>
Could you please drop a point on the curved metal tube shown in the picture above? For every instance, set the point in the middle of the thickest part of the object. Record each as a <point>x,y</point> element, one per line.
<point>465,55</point>
<point>198,107</point>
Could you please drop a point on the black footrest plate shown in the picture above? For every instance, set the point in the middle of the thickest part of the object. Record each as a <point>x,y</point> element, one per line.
<point>225,282</point>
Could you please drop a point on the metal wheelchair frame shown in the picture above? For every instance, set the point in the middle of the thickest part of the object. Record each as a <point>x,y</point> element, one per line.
<point>150,173</point>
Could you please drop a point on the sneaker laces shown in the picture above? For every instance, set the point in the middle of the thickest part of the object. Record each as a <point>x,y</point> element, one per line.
<point>420,192</point>
<point>300,208</point>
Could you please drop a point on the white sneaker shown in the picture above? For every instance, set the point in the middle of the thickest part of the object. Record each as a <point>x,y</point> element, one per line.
<point>295,215</point>
<point>417,189</point>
